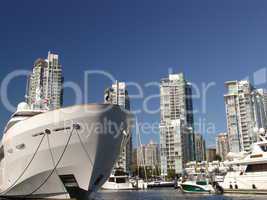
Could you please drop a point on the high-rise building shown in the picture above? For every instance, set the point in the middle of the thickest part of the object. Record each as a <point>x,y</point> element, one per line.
<point>259,109</point>
<point>222,145</point>
<point>148,155</point>
<point>211,154</point>
<point>264,95</point>
<point>176,124</point>
<point>245,112</point>
<point>118,94</point>
<point>134,159</point>
<point>200,147</point>
<point>45,84</point>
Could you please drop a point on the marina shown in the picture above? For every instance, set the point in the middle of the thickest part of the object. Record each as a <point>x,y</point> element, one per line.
<point>83,152</point>
<point>133,100</point>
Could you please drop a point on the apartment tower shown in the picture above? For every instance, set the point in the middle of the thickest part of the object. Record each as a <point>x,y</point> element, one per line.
<point>45,84</point>
<point>176,124</point>
<point>118,94</point>
<point>245,113</point>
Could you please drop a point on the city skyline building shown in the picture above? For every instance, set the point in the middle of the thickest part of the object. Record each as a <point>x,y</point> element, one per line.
<point>245,114</point>
<point>259,109</point>
<point>200,147</point>
<point>264,94</point>
<point>222,145</point>
<point>176,124</point>
<point>45,84</point>
<point>211,154</point>
<point>134,159</point>
<point>148,155</point>
<point>118,94</point>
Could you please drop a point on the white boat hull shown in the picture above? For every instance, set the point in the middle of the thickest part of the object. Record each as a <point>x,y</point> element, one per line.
<point>87,161</point>
<point>235,182</point>
<point>159,184</point>
<point>193,187</point>
<point>128,185</point>
<point>118,186</point>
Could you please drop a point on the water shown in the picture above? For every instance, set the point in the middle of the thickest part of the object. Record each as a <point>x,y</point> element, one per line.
<point>168,195</point>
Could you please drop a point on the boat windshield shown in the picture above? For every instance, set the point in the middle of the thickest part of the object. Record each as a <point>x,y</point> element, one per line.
<point>197,177</point>
<point>121,180</point>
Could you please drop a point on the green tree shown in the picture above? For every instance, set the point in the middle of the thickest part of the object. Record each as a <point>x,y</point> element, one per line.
<point>171,174</point>
<point>218,158</point>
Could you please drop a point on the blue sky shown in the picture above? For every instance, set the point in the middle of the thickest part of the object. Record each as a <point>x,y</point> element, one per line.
<point>137,41</point>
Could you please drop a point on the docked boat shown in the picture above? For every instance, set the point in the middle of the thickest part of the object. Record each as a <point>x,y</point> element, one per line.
<point>161,184</point>
<point>139,184</point>
<point>65,153</point>
<point>197,183</point>
<point>123,182</point>
<point>248,175</point>
<point>118,183</point>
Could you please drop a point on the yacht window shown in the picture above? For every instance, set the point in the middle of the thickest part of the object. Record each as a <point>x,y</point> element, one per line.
<point>256,168</point>
<point>13,121</point>
<point>120,180</point>
<point>112,180</point>
<point>29,114</point>
<point>2,153</point>
<point>10,124</point>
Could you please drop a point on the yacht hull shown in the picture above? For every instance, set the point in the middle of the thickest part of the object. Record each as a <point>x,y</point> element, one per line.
<point>66,153</point>
<point>237,182</point>
<point>118,186</point>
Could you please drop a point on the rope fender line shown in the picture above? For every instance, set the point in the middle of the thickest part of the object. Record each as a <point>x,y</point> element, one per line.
<point>58,162</point>
<point>54,163</point>
<point>84,148</point>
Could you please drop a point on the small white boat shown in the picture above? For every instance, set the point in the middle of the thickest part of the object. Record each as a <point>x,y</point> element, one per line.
<point>118,183</point>
<point>123,182</point>
<point>197,183</point>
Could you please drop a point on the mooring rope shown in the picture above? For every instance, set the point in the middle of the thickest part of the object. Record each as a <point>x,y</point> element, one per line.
<point>51,173</point>
<point>83,146</point>
<point>54,163</point>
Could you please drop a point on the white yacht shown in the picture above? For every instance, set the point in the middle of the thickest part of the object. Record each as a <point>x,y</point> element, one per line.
<point>118,183</point>
<point>65,153</point>
<point>123,182</point>
<point>248,175</point>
